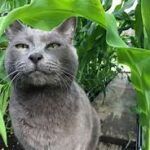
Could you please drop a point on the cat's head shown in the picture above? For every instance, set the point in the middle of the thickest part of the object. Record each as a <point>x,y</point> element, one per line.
<point>41,58</point>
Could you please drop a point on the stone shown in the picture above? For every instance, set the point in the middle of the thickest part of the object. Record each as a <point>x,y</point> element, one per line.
<point>115,108</point>
<point>104,146</point>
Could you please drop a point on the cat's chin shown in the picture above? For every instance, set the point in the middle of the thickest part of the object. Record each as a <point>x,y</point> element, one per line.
<point>38,78</point>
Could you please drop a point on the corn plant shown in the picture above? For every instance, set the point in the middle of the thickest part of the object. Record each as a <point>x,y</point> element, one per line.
<point>46,14</point>
<point>97,61</point>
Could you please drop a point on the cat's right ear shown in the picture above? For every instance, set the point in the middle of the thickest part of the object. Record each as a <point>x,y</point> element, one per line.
<point>14,29</point>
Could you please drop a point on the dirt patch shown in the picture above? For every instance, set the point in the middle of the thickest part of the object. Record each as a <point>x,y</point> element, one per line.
<point>13,143</point>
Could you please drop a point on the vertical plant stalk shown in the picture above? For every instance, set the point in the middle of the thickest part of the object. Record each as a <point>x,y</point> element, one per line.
<point>147,138</point>
<point>146,30</point>
<point>139,135</point>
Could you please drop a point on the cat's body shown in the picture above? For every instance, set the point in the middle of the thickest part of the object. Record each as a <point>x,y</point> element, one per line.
<point>49,110</point>
<point>67,124</point>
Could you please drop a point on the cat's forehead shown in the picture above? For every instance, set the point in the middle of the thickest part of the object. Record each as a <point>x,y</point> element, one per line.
<point>30,31</point>
<point>39,35</point>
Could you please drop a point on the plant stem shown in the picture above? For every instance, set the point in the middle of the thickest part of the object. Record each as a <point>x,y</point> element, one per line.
<point>147,138</point>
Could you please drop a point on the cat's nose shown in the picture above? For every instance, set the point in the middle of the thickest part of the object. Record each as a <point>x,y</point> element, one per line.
<point>35,57</point>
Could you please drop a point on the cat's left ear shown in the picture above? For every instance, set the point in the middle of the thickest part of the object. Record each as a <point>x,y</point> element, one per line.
<point>14,29</point>
<point>67,28</point>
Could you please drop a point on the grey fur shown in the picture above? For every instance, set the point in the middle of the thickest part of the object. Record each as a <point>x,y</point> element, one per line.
<point>48,109</point>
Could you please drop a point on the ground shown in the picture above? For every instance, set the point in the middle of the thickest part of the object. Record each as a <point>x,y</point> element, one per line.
<point>13,144</point>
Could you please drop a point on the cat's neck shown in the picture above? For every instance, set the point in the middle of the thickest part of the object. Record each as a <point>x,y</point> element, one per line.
<point>46,100</point>
<point>42,93</point>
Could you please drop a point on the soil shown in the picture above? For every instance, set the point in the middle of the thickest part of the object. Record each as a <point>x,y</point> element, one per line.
<point>13,144</point>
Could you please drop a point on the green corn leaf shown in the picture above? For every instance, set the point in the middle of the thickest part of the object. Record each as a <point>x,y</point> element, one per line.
<point>3,129</point>
<point>146,21</point>
<point>139,26</point>
<point>127,4</point>
<point>138,61</point>
<point>112,36</point>
<point>107,4</point>
<point>2,71</point>
<point>53,12</point>
<point>4,95</point>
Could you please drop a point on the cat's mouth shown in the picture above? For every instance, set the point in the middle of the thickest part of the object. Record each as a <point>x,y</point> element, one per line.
<point>38,72</point>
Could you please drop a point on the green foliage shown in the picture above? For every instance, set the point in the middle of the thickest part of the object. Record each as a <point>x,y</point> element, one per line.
<point>4,92</point>
<point>3,129</point>
<point>97,63</point>
<point>53,12</point>
<point>5,7</point>
<point>138,60</point>
<point>146,22</point>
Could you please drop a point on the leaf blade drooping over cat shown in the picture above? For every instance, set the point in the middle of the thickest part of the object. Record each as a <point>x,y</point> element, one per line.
<point>53,13</point>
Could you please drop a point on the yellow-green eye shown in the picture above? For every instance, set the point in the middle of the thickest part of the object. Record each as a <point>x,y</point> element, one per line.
<point>53,45</point>
<point>22,46</point>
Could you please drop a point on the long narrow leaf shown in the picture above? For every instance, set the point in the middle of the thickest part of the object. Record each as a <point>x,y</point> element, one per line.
<point>145,4</point>
<point>3,129</point>
<point>54,12</point>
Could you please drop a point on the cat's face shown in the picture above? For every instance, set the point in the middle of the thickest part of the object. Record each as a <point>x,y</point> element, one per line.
<point>41,58</point>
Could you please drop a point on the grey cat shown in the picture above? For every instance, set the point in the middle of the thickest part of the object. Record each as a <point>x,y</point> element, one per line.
<point>48,109</point>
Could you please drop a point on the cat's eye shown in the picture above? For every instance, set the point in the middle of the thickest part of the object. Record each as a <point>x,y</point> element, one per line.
<point>22,46</point>
<point>53,45</point>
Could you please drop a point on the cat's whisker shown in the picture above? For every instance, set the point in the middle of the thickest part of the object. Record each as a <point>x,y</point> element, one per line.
<point>9,75</point>
<point>20,65</point>
<point>14,78</point>
<point>63,82</point>
<point>65,72</point>
<point>59,82</point>
<point>67,78</point>
<point>67,81</point>
<point>10,83</point>
<point>67,85</point>
<point>63,69</point>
